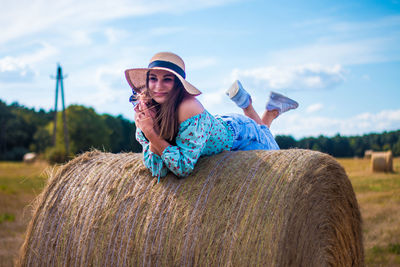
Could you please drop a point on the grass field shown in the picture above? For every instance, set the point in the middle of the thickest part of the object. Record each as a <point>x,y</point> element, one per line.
<point>378,195</point>
<point>19,184</point>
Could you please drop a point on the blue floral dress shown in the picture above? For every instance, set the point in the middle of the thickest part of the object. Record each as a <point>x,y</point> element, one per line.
<point>204,135</point>
<point>200,135</point>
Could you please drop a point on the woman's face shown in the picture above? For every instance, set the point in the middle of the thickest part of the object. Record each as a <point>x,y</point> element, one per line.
<point>161,83</point>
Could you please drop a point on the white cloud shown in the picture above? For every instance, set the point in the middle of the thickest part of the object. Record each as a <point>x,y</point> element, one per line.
<point>108,87</point>
<point>12,69</point>
<point>107,79</point>
<point>40,55</point>
<point>80,37</point>
<point>386,120</point>
<point>197,63</point>
<point>213,99</point>
<point>22,68</point>
<point>346,53</point>
<point>331,26</point>
<point>347,43</point>
<point>300,77</point>
<point>113,35</point>
<point>29,17</point>
<point>161,31</point>
<point>314,108</point>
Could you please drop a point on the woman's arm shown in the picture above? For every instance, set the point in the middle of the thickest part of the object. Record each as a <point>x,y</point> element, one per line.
<point>179,159</point>
<point>144,119</point>
<point>190,144</point>
<point>151,160</point>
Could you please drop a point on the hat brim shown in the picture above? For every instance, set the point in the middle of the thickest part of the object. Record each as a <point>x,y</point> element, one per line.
<point>137,79</point>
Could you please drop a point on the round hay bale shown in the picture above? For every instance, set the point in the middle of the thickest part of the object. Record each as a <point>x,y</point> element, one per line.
<point>382,161</point>
<point>29,157</point>
<point>368,153</point>
<point>246,208</point>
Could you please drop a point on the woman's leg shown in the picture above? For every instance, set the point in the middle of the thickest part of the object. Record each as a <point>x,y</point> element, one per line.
<point>243,100</point>
<point>276,105</point>
<point>269,116</point>
<point>266,119</point>
<point>250,112</point>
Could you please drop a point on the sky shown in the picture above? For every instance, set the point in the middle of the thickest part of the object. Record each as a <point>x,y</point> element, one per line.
<point>340,60</point>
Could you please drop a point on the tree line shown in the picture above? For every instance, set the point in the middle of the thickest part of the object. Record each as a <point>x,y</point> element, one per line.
<point>342,146</point>
<point>26,130</point>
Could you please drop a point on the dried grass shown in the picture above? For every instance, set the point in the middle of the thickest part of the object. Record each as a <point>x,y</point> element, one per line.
<point>382,161</point>
<point>246,208</point>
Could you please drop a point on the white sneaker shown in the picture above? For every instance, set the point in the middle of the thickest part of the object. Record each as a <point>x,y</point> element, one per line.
<point>280,103</point>
<point>238,95</point>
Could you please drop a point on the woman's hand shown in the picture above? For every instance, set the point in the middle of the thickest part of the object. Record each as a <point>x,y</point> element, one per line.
<point>145,118</point>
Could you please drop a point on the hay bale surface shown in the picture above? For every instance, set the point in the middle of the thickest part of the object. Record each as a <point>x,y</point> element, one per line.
<point>246,208</point>
<point>382,161</point>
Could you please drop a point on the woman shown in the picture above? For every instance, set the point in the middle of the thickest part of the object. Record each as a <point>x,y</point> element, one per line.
<point>174,128</point>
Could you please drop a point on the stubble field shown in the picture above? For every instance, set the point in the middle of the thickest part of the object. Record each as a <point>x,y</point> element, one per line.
<point>378,195</point>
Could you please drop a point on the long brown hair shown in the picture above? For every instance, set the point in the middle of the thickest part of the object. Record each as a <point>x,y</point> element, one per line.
<point>167,118</point>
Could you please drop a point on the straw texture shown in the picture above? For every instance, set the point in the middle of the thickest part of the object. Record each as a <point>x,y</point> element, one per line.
<point>382,161</point>
<point>247,208</point>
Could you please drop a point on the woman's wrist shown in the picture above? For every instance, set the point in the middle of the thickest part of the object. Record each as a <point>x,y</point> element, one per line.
<point>154,149</point>
<point>157,143</point>
<point>152,136</point>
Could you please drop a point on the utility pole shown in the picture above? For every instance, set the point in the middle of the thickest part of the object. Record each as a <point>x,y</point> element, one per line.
<point>59,84</point>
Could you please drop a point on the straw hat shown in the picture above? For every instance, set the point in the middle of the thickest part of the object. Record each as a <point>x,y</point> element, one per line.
<point>162,61</point>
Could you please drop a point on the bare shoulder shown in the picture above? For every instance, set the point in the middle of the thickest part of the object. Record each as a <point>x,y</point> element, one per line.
<point>189,107</point>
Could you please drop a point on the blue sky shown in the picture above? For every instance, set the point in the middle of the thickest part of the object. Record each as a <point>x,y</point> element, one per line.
<point>339,59</point>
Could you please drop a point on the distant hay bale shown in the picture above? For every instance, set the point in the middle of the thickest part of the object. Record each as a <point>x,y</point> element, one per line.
<point>30,157</point>
<point>368,153</point>
<point>247,208</point>
<point>382,161</point>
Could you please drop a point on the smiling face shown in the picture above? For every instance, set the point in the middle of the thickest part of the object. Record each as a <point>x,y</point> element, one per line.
<point>161,83</point>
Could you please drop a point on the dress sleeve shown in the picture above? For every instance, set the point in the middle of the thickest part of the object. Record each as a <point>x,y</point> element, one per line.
<point>190,143</point>
<point>151,160</point>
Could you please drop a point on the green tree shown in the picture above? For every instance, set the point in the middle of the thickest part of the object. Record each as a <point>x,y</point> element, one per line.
<point>316,146</point>
<point>285,142</point>
<point>341,147</point>
<point>116,133</point>
<point>23,129</point>
<point>86,129</point>
<point>326,144</point>
<point>14,133</point>
<point>129,142</point>
<point>5,117</point>
<point>396,148</point>
<point>306,143</point>
<point>18,126</point>
<point>42,139</point>
<point>357,146</point>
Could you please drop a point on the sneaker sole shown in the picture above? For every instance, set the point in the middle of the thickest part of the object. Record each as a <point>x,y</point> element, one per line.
<point>233,90</point>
